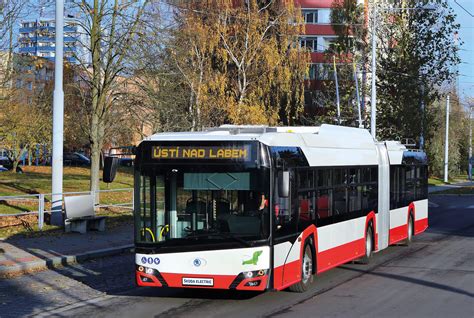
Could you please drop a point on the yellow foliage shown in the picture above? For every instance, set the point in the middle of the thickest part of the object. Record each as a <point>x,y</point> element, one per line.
<point>241,62</point>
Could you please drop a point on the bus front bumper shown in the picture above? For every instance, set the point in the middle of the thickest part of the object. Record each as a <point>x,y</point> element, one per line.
<point>251,280</point>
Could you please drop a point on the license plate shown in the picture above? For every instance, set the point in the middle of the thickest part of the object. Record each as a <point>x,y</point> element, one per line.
<point>188,281</point>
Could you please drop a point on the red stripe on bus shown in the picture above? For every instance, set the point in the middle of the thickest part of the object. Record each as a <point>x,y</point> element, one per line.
<point>341,254</point>
<point>421,225</point>
<point>398,234</point>
<point>154,281</point>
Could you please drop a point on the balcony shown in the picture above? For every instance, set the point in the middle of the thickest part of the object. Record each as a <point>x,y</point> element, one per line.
<point>319,29</point>
<point>314,3</point>
<point>27,50</point>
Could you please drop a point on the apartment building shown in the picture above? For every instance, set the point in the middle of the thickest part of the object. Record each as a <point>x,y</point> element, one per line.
<point>318,37</point>
<point>37,38</point>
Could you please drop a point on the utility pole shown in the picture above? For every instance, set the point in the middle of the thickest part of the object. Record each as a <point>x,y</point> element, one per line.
<point>446,143</point>
<point>422,106</point>
<point>469,172</point>
<point>373,100</point>
<point>361,125</point>
<point>337,92</point>
<point>58,119</point>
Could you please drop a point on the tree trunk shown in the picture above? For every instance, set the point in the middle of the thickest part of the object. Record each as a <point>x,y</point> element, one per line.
<point>96,139</point>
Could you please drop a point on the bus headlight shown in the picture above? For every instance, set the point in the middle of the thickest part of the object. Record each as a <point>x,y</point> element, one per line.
<point>252,274</point>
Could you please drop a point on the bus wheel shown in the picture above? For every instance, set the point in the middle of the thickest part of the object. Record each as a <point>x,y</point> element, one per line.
<point>410,230</point>
<point>306,271</point>
<point>369,246</point>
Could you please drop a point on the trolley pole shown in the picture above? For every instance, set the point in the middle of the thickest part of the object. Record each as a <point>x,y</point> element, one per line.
<point>446,142</point>
<point>58,119</point>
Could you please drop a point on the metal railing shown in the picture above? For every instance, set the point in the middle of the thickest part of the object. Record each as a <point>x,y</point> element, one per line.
<point>39,200</point>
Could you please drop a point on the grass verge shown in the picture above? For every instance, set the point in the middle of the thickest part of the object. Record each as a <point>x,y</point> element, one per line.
<point>37,180</point>
<point>460,190</point>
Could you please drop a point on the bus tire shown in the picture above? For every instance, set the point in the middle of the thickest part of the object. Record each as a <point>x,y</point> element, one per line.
<point>410,230</point>
<point>306,271</point>
<point>369,245</point>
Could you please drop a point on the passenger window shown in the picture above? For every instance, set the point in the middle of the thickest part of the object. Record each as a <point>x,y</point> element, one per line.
<point>305,179</point>
<point>355,198</point>
<point>324,204</point>
<point>324,178</point>
<point>339,176</point>
<point>369,197</point>
<point>354,176</point>
<point>340,202</point>
<point>306,210</point>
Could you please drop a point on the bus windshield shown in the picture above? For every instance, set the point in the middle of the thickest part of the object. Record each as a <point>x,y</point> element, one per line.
<point>193,204</point>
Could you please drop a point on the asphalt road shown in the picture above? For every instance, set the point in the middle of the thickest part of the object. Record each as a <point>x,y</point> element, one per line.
<point>433,277</point>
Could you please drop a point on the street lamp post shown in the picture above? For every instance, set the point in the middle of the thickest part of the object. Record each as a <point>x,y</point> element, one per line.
<point>470,143</point>
<point>446,143</point>
<point>58,119</point>
<point>373,99</point>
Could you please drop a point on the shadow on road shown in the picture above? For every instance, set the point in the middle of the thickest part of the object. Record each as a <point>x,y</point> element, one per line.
<point>412,281</point>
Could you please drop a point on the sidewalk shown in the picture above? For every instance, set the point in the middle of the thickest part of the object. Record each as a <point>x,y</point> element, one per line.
<point>438,188</point>
<point>22,254</point>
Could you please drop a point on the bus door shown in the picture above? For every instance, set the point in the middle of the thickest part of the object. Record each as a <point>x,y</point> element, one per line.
<point>285,232</point>
<point>383,207</point>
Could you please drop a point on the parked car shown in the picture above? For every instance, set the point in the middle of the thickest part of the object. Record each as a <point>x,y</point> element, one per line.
<point>126,161</point>
<point>4,158</point>
<point>3,169</point>
<point>75,159</point>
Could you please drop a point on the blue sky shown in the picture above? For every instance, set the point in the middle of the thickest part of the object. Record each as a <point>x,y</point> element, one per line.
<point>466,68</point>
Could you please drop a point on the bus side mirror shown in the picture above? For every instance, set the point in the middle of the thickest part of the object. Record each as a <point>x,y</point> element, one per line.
<point>110,169</point>
<point>283,184</point>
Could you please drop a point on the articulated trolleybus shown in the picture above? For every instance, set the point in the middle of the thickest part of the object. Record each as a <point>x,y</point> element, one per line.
<point>257,208</point>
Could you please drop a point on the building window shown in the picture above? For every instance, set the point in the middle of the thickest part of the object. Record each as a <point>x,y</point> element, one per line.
<point>310,17</point>
<point>309,43</point>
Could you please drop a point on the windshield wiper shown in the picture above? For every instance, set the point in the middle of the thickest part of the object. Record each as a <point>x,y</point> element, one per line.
<point>221,234</point>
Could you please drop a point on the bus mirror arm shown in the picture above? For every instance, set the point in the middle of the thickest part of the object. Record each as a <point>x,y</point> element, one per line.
<point>283,184</point>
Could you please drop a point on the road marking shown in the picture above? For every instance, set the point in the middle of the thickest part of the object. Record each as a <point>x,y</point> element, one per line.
<point>432,205</point>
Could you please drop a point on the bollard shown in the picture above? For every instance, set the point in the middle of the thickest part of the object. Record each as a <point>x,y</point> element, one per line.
<point>40,211</point>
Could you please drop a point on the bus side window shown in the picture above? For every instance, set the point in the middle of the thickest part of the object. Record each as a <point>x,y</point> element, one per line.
<point>324,204</point>
<point>306,210</point>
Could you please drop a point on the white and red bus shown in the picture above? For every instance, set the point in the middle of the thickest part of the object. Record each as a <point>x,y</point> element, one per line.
<point>257,208</point>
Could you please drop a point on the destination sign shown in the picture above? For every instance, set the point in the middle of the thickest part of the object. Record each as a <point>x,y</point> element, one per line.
<point>241,152</point>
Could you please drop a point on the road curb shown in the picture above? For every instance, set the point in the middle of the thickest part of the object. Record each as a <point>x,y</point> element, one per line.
<point>453,194</point>
<point>63,260</point>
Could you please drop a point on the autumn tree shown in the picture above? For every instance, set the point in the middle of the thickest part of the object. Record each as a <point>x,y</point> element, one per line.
<point>458,135</point>
<point>237,62</point>
<point>348,53</point>
<point>26,111</point>
<point>111,27</point>
<point>416,56</point>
